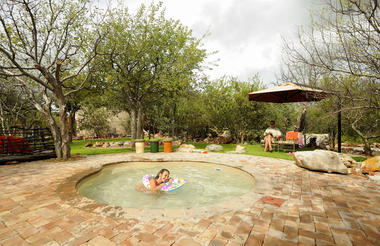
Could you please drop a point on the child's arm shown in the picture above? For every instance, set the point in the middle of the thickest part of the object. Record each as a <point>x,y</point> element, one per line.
<point>154,187</point>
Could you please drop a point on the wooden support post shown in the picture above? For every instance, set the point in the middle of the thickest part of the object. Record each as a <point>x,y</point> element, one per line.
<point>339,125</point>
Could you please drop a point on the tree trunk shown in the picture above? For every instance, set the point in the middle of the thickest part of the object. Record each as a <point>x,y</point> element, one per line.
<point>64,126</point>
<point>367,145</point>
<point>242,134</point>
<point>173,120</point>
<point>302,120</point>
<point>140,123</point>
<point>56,135</point>
<point>133,126</point>
<point>73,125</point>
<point>332,138</point>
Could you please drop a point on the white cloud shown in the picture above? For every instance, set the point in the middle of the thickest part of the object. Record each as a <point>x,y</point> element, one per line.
<point>247,33</point>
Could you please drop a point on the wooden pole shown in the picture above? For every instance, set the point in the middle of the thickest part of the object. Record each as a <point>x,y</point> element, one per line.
<point>339,125</point>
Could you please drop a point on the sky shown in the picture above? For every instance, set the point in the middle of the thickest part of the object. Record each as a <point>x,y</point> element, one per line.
<point>247,34</point>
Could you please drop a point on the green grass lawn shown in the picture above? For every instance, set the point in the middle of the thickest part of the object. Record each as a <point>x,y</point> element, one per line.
<point>252,149</point>
<point>77,147</point>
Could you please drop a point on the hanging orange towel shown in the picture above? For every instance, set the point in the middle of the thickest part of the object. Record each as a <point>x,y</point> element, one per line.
<point>292,136</point>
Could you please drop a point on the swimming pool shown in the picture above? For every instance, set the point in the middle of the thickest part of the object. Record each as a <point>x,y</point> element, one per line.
<point>206,184</point>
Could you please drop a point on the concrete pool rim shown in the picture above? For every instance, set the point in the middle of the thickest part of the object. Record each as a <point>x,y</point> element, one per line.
<point>67,191</point>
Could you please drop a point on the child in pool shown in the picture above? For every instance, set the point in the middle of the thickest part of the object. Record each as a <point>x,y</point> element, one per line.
<point>156,183</point>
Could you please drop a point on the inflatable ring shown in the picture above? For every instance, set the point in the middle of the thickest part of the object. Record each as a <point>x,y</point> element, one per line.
<point>146,180</point>
<point>176,184</point>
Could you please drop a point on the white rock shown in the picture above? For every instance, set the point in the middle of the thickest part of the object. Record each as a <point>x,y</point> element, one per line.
<point>187,148</point>
<point>114,144</point>
<point>375,178</point>
<point>320,160</point>
<point>240,149</point>
<point>214,147</point>
<point>99,144</point>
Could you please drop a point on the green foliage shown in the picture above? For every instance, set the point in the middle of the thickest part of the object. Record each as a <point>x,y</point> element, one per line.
<point>147,55</point>
<point>147,59</point>
<point>95,120</point>
<point>222,105</point>
<point>16,109</point>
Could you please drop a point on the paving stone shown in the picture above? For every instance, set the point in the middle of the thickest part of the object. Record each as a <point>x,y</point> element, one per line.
<point>322,227</point>
<point>306,218</point>
<point>207,235</point>
<point>254,240</point>
<point>163,230</point>
<point>13,241</point>
<point>272,201</point>
<point>100,241</point>
<point>202,225</point>
<point>218,242</point>
<point>341,239</point>
<point>291,233</point>
<point>226,234</point>
<point>306,241</point>
<point>146,237</point>
<point>316,235</point>
<point>243,228</point>
<point>317,208</point>
<point>277,224</point>
<point>233,243</point>
<point>170,238</point>
<point>186,242</point>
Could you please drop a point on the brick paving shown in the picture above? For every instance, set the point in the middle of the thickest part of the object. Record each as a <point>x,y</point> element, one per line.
<point>289,206</point>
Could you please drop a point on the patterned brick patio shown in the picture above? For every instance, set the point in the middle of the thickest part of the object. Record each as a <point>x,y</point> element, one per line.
<point>291,206</point>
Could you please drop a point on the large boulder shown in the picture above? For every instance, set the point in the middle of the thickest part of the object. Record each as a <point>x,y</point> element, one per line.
<point>214,147</point>
<point>371,164</point>
<point>320,160</point>
<point>240,149</point>
<point>186,148</point>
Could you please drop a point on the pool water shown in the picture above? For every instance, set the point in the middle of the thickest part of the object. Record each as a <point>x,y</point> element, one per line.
<point>205,184</point>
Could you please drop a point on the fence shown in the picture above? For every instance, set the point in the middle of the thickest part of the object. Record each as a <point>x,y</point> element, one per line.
<point>26,144</point>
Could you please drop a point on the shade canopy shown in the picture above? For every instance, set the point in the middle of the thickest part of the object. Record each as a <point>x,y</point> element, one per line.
<point>288,92</point>
<point>291,92</point>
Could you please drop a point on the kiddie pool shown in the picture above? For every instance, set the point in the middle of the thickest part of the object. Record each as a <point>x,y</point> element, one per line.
<point>206,184</point>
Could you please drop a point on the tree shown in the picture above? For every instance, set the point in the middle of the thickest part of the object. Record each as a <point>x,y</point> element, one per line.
<point>341,52</point>
<point>15,109</point>
<point>148,57</point>
<point>227,107</point>
<point>44,46</point>
<point>95,120</point>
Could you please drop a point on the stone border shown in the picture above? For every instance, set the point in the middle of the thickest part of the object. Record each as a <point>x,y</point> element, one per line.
<point>68,192</point>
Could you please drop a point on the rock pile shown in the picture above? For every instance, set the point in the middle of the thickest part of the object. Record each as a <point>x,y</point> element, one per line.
<point>214,147</point>
<point>186,148</point>
<point>120,144</point>
<point>329,161</point>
